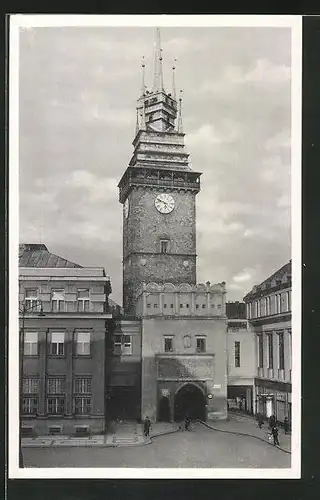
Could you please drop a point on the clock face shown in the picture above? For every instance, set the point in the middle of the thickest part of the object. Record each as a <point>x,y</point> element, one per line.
<point>164,203</point>
<point>126,208</point>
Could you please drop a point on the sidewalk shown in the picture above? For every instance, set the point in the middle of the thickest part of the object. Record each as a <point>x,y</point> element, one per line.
<point>247,425</point>
<point>124,434</point>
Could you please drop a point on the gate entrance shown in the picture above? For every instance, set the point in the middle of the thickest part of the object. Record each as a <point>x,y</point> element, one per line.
<point>164,410</point>
<point>190,401</point>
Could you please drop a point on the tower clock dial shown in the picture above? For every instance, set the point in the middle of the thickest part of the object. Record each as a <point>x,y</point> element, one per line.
<point>126,208</point>
<point>164,203</point>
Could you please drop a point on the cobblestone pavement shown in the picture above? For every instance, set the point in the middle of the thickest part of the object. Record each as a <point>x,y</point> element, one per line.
<point>201,447</point>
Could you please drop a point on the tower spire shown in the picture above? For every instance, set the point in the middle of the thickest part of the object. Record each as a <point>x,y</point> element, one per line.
<point>143,85</point>
<point>137,121</point>
<point>173,79</point>
<point>180,127</point>
<point>158,74</point>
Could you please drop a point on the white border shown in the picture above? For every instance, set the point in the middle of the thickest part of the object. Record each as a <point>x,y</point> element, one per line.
<point>28,21</point>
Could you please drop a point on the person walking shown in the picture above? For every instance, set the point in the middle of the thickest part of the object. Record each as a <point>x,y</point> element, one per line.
<point>272,422</point>
<point>187,423</point>
<point>146,427</point>
<point>286,425</point>
<point>260,420</point>
<point>275,434</point>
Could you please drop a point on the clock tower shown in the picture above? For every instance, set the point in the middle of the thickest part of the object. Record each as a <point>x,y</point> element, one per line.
<point>158,191</point>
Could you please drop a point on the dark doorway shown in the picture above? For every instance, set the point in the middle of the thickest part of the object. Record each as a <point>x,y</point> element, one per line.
<point>190,401</point>
<point>164,410</point>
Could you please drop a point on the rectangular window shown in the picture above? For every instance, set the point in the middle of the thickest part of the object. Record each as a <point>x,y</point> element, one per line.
<point>279,304</point>
<point>237,354</point>
<point>164,306</point>
<point>187,306</point>
<point>281,350</point>
<point>126,345</point>
<point>30,405</point>
<point>168,344</point>
<point>82,385</point>
<point>289,300</point>
<point>260,351</point>
<point>57,344</point>
<point>83,343</point>
<point>117,343</point>
<point>203,306</point>
<point>201,344</point>
<point>30,343</point>
<point>164,245</point>
<point>31,300</point>
<point>82,406</point>
<point>57,301</point>
<point>30,386</point>
<point>56,405</point>
<point>171,306</point>
<point>148,306</point>
<point>122,345</point>
<point>155,306</point>
<point>55,385</point>
<point>270,350</point>
<point>83,299</point>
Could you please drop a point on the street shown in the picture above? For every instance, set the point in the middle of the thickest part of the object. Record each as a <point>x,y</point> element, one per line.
<point>200,447</point>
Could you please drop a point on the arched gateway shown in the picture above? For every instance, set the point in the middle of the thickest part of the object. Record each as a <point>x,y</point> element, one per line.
<point>191,401</point>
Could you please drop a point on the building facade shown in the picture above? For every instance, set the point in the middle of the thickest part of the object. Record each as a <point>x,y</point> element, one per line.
<point>176,328</point>
<point>64,321</point>
<point>268,309</point>
<point>241,359</point>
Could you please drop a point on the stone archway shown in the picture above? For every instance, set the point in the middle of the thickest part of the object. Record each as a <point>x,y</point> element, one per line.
<point>164,410</point>
<point>189,400</point>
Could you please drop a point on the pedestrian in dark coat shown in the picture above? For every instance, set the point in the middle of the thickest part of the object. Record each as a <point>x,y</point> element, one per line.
<point>286,425</point>
<point>272,421</point>
<point>146,426</point>
<point>275,433</point>
<point>187,423</point>
<point>260,420</point>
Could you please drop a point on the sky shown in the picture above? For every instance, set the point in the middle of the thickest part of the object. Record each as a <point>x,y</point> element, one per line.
<point>77,100</point>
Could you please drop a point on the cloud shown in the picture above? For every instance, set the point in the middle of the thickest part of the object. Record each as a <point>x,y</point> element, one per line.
<point>78,91</point>
<point>241,278</point>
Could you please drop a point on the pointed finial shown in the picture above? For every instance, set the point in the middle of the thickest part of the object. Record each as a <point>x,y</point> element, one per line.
<point>143,85</point>
<point>173,79</point>
<point>180,128</point>
<point>157,77</point>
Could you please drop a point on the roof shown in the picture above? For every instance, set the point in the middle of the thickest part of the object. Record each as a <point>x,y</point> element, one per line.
<point>38,255</point>
<point>284,273</point>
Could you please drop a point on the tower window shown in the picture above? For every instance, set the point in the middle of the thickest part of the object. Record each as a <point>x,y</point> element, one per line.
<point>203,306</point>
<point>237,354</point>
<point>201,344</point>
<point>164,306</point>
<point>164,246</point>
<point>171,306</point>
<point>168,344</point>
<point>187,306</point>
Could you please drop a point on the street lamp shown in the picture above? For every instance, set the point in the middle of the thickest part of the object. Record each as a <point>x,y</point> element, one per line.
<point>23,310</point>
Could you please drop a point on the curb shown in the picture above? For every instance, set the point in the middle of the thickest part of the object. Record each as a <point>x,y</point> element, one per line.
<point>96,445</point>
<point>244,434</point>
